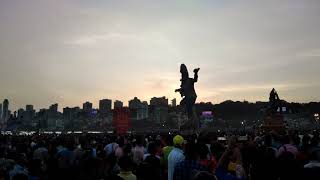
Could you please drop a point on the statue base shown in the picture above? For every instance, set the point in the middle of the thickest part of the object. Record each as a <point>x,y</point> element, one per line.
<point>192,124</point>
<point>274,122</point>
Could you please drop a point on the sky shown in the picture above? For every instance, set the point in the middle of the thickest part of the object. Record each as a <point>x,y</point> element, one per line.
<point>72,51</point>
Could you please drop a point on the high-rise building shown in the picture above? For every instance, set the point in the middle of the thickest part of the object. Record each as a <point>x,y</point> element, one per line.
<point>174,102</point>
<point>117,104</point>
<point>87,106</point>
<point>0,111</point>
<point>28,115</point>
<point>53,116</point>
<point>53,108</point>
<point>29,107</point>
<point>105,107</point>
<point>5,110</point>
<point>159,101</point>
<point>138,109</point>
<point>159,109</point>
<point>20,114</point>
<point>70,117</point>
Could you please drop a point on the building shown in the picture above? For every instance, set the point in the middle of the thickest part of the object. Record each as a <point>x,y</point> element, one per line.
<point>159,110</point>
<point>121,120</point>
<point>5,111</point>
<point>105,107</point>
<point>87,106</point>
<point>138,109</point>
<point>117,104</point>
<point>70,116</point>
<point>42,119</point>
<point>174,102</point>
<point>0,111</point>
<point>20,114</point>
<point>159,101</point>
<point>53,117</point>
<point>54,108</point>
<point>28,115</point>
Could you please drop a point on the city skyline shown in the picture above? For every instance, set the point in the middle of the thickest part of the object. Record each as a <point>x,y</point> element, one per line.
<point>70,52</point>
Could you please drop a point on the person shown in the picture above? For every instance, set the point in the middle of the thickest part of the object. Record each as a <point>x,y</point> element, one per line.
<point>166,151</point>
<point>138,151</point>
<point>20,168</point>
<point>175,156</point>
<point>230,164</point>
<point>203,175</point>
<point>125,163</point>
<point>206,158</point>
<point>119,150</point>
<point>287,147</point>
<point>152,168</point>
<point>190,166</point>
<point>111,147</point>
<point>312,169</point>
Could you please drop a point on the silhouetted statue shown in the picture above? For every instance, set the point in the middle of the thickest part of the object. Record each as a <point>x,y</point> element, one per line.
<point>274,100</point>
<point>187,91</point>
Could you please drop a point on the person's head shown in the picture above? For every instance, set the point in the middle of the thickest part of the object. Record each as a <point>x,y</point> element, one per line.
<point>139,141</point>
<point>203,175</point>
<point>20,177</point>
<point>286,139</point>
<point>169,140</point>
<point>125,163</point>
<point>178,141</point>
<point>314,141</point>
<point>203,150</point>
<point>268,140</point>
<point>305,140</point>
<point>152,148</point>
<point>191,151</point>
<point>127,149</point>
<point>121,142</point>
<point>232,142</point>
<point>296,140</point>
<point>315,155</point>
<point>21,159</point>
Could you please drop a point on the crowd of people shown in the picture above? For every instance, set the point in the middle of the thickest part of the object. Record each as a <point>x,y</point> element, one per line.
<point>268,156</point>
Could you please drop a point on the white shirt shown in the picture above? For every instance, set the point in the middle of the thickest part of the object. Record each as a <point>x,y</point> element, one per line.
<point>175,156</point>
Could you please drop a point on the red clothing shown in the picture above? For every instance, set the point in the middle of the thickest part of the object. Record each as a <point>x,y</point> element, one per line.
<point>211,164</point>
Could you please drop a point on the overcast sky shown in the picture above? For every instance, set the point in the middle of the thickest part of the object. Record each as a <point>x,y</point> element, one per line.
<point>69,52</point>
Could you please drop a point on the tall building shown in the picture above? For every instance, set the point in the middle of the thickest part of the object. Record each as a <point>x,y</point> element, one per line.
<point>53,117</point>
<point>87,106</point>
<point>159,101</point>
<point>174,102</point>
<point>20,114</point>
<point>117,104</point>
<point>159,109</point>
<point>5,110</point>
<point>29,107</point>
<point>138,109</point>
<point>28,115</point>
<point>70,117</point>
<point>0,111</point>
<point>105,107</point>
<point>53,108</point>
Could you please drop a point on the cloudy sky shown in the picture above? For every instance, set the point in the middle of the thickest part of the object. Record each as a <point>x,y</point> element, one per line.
<point>69,52</point>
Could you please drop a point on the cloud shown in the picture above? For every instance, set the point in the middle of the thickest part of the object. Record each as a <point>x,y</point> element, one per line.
<point>86,50</point>
<point>309,53</point>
